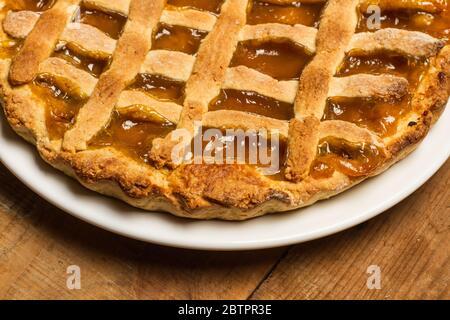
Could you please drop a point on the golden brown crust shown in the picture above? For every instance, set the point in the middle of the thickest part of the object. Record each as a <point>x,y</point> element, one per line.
<point>189,18</point>
<point>171,64</point>
<point>20,24</point>
<point>383,87</point>
<point>208,75</point>
<point>303,139</point>
<point>409,43</point>
<point>67,77</point>
<point>298,34</point>
<point>224,191</point>
<point>130,54</point>
<point>237,78</point>
<point>37,48</point>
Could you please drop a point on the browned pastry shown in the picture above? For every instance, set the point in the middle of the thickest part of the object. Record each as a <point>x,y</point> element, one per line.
<point>104,88</point>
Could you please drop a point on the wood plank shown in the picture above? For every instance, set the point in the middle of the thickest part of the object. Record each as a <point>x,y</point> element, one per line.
<point>38,242</point>
<point>410,244</point>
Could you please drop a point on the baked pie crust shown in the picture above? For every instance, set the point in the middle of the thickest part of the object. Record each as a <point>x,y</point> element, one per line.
<point>102,87</point>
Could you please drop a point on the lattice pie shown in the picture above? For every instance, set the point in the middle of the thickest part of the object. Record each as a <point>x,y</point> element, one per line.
<point>107,89</point>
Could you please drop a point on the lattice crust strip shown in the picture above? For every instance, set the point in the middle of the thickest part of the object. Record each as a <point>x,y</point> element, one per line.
<point>92,42</point>
<point>408,43</point>
<point>36,49</point>
<point>189,18</point>
<point>117,6</point>
<point>318,83</point>
<point>127,60</point>
<point>298,34</point>
<point>331,55</point>
<point>208,72</point>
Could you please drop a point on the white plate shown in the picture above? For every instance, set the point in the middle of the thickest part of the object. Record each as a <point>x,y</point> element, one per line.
<point>325,218</point>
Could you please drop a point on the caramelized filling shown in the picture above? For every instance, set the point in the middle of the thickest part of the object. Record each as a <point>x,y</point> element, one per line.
<point>159,87</point>
<point>177,38</point>
<point>352,159</point>
<point>61,108</point>
<point>307,14</point>
<point>205,5</point>
<point>280,60</point>
<point>409,68</point>
<point>142,113</point>
<point>382,117</point>
<point>30,5</point>
<point>94,66</point>
<point>252,102</point>
<point>436,25</point>
<point>133,137</point>
<point>9,48</point>
<point>232,147</point>
<point>111,24</point>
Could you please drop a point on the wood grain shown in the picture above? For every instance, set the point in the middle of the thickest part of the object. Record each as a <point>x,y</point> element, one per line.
<point>410,243</point>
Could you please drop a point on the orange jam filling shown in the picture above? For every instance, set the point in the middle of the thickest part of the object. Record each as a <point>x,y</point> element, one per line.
<point>307,14</point>
<point>252,102</point>
<point>131,136</point>
<point>245,148</point>
<point>355,160</point>
<point>110,23</point>
<point>408,68</point>
<point>94,66</point>
<point>382,117</point>
<point>9,48</point>
<point>178,38</point>
<point>434,24</point>
<point>159,87</point>
<point>280,60</point>
<point>205,5</point>
<point>30,5</point>
<point>61,108</point>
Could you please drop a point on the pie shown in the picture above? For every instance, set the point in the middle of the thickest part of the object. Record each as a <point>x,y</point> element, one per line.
<point>106,89</point>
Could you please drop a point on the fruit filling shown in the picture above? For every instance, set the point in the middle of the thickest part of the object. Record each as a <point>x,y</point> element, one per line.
<point>178,38</point>
<point>307,14</point>
<point>132,136</point>
<point>159,87</point>
<point>355,160</point>
<point>61,107</point>
<point>382,117</point>
<point>436,24</point>
<point>280,60</point>
<point>30,5</point>
<point>93,66</point>
<point>236,147</point>
<point>252,102</point>
<point>409,68</point>
<point>9,48</point>
<point>110,23</point>
<point>205,5</point>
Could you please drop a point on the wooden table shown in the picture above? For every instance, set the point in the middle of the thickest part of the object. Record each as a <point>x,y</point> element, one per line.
<point>410,244</point>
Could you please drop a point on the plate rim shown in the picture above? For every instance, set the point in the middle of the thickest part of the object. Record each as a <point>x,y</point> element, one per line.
<point>333,228</point>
